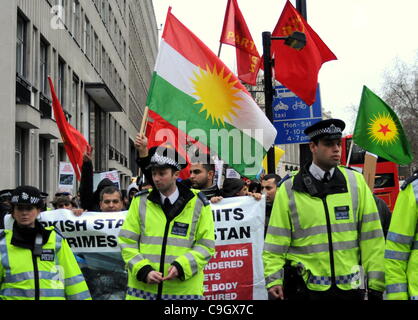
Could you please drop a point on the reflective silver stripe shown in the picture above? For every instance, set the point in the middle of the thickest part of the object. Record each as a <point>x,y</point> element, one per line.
<point>376,275</point>
<point>30,293</point>
<point>275,276</point>
<point>129,235</point>
<point>192,261</point>
<point>354,193</point>
<point>276,231</point>
<point>203,251</point>
<point>275,248</point>
<point>415,187</point>
<point>323,247</point>
<point>413,297</point>
<point>128,246</point>
<point>137,258</point>
<point>196,214</point>
<point>156,258</point>
<point>371,234</point>
<point>415,246</point>
<point>371,217</point>
<point>338,227</point>
<point>207,243</point>
<point>399,238</point>
<point>396,255</point>
<point>74,280</point>
<point>171,241</point>
<point>45,275</point>
<point>292,204</point>
<point>80,296</point>
<point>396,287</point>
<point>58,243</point>
<point>4,255</point>
<point>152,296</point>
<point>142,211</point>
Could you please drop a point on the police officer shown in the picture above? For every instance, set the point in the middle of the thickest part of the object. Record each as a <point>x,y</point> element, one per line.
<point>36,262</point>
<point>5,205</point>
<point>401,255</point>
<point>168,235</point>
<point>324,224</point>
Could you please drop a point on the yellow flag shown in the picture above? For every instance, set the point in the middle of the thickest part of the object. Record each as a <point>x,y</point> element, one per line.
<point>278,153</point>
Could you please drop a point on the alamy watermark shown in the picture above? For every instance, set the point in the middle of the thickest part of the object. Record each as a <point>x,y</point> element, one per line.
<point>234,146</point>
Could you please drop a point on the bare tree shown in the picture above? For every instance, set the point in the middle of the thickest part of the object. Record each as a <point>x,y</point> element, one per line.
<point>400,91</point>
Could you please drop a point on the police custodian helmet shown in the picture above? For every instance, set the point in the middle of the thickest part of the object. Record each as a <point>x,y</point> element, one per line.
<point>326,129</point>
<point>27,195</point>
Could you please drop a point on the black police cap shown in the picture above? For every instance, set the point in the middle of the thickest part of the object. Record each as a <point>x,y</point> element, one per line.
<point>27,195</point>
<point>326,129</point>
<point>166,157</point>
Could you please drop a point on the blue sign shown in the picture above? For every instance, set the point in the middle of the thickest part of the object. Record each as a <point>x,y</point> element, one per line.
<point>291,115</point>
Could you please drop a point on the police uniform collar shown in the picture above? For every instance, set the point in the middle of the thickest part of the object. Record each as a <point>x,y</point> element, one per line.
<point>319,173</point>
<point>172,197</point>
<point>25,237</point>
<point>337,184</point>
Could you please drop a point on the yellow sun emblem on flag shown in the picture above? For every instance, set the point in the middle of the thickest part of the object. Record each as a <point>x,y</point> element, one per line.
<point>217,94</point>
<point>382,129</point>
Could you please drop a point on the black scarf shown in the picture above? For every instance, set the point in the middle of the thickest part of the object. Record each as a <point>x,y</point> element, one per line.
<point>24,237</point>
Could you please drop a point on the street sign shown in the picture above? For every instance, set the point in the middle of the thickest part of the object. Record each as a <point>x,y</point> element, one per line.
<point>291,116</point>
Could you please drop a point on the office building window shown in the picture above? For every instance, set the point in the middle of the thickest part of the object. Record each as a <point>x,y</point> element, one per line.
<point>77,20</point>
<point>43,163</point>
<point>21,46</point>
<point>43,66</point>
<point>74,100</point>
<point>61,80</point>
<point>19,157</point>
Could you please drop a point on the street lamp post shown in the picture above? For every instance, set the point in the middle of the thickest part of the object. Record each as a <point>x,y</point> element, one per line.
<point>297,40</point>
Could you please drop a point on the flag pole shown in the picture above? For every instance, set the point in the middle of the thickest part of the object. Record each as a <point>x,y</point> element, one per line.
<point>349,153</point>
<point>219,50</point>
<point>144,121</point>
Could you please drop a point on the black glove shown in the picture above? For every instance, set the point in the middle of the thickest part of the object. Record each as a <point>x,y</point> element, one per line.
<point>374,295</point>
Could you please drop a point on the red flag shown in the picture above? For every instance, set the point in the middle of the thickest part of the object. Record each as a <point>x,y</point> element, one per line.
<point>173,136</point>
<point>74,142</point>
<point>298,70</point>
<point>235,33</point>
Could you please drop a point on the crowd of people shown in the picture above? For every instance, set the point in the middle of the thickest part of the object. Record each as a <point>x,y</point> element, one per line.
<point>320,223</point>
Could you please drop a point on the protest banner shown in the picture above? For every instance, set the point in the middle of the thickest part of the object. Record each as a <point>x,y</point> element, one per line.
<point>66,177</point>
<point>236,271</point>
<point>111,175</point>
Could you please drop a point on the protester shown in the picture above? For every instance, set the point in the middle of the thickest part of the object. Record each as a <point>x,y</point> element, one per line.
<point>324,225</point>
<point>105,272</point>
<point>234,187</point>
<point>37,263</point>
<point>384,214</point>
<point>5,205</point>
<point>133,189</point>
<point>254,187</point>
<point>168,235</point>
<point>401,244</point>
<point>63,201</point>
<point>89,200</point>
<point>269,188</point>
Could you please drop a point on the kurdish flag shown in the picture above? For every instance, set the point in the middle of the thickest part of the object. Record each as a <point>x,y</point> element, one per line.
<point>195,92</point>
<point>379,131</point>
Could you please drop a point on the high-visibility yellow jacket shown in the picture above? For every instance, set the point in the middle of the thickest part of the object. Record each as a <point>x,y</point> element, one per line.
<point>54,275</point>
<point>327,230</point>
<point>148,239</point>
<point>401,255</point>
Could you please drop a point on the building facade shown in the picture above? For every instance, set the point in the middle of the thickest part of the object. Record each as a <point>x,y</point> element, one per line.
<point>100,55</point>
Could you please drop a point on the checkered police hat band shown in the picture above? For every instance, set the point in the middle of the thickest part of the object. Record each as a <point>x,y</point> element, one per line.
<point>157,159</point>
<point>332,129</point>
<point>25,198</point>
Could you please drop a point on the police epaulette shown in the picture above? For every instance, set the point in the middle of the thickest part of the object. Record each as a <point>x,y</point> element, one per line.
<point>202,197</point>
<point>409,180</point>
<point>140,193</point>
<point>286,177</point>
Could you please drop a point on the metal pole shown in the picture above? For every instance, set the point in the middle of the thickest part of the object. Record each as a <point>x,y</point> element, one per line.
<point>301,7</point>
<point>268,94</point>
